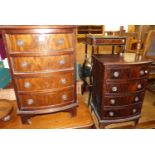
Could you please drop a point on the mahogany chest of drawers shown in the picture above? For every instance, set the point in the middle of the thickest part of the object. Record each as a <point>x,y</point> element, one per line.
<point>119,84</point>
<point>42,63</point>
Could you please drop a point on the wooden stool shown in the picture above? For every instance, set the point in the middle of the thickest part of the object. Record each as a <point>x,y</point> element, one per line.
<point>5,105</point>
<point>5,110</point>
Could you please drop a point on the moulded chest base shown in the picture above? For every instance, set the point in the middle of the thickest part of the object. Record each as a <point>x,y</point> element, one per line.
<point>26,115</point>
<point>103,123</point>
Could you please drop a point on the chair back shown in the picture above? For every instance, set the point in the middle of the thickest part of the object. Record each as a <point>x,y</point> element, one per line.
<point>149,47</point>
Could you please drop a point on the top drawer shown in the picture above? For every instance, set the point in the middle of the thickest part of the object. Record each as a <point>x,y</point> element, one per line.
<point>39,42</point>
<point>129,72</point>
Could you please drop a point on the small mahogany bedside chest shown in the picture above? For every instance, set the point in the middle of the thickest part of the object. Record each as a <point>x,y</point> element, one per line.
<point>119,84</point>
<point>42,63</point>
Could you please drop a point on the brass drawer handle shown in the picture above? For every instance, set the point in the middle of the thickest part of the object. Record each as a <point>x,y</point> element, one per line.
<point>111,113</point>
<point>24,64</point>
<point>60,41</point>
<point>123,40</point>
<point>30,101</point>
<point>136,99</point>
<point>41,38</point>
<point>114,89</point>
<point>63,81</point>
<point>64,97</point>
<point>62,62</point>
<point>116,74</point>
<point>142,72</point>
<point>134,110</point>
<point>139,86</point>
<point>112,101</point>
<point>20,43</point>
<point>27,84</point>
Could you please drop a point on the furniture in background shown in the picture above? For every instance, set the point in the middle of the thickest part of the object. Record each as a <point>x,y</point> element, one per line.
<point>118,90</point>
<point>82,30</point>
<point>5,110</point>
<point>149,53</point>
<point>5,106</point>
<point>42,64</point>
<point>101,40</point>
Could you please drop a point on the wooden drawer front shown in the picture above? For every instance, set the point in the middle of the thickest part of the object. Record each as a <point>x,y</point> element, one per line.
<point>127,111</point>
<point>37,64</point>
<point>111,41</point>
<point>43,100</point>
<point>118,73</point>
<point>39,42</point>
<point>54,81</point>
<point>130,87</point>
<point>123,100</point>
<point>139,71</point>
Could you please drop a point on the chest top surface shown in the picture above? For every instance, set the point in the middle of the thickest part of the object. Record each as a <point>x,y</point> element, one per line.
<point>126,59</point>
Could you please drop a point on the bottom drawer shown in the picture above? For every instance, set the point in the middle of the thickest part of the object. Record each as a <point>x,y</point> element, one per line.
<point>124,112</point>
<point>44,100</point>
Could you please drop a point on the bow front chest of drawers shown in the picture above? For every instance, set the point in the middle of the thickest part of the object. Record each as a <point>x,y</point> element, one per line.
<point>119,84</point>
<point>42,63</point>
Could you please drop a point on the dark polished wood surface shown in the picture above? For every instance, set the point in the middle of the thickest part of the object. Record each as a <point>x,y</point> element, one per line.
<point>42,63</point>
<point>118,92</point>
<point>124,59</point>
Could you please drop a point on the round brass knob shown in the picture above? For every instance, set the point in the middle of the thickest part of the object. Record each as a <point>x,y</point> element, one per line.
<point>64,97</point>
<point>146,71</point>
<point>142,72</point>
<point>62,62</point>
<point>30,101</point>
<point>123,40</point>
<point>112,101</point>
<point>134,110</point>
<point>114,88</point>
<point>27,84</point>
<point>139,86</point>
<point>111,113</point>
<point>136,99</point>
<point>116,74</point>
<point>41,38</point>
<point>20,42</point>
<point>63,81</point>
<point>24,64</point>
<point>60,41</point>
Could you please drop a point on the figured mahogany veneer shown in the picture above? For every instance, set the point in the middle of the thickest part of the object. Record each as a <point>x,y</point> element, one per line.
<point>119,84</point>
<point>42,100</point>
<point>39,42</point>
<point>50,81</point>
<point>42,63</point>
<point>32,64</point>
